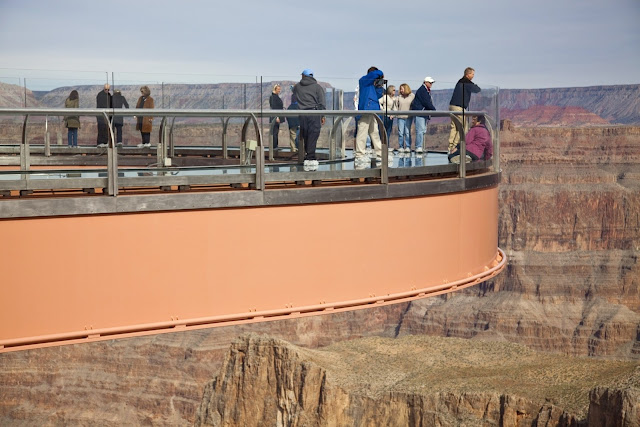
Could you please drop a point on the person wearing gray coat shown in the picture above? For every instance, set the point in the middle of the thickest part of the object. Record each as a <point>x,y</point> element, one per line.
<point>311,96</point>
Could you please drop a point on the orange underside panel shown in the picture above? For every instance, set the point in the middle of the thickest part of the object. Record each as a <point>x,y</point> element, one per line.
<point>71,274</point>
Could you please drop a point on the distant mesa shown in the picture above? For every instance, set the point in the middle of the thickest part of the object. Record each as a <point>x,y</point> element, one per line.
<point>577,106</point>
<point>553,115</point>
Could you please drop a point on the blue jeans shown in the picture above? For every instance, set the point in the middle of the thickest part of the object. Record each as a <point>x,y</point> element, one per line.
<point>72,137</point>
<point>404,132</point>
<point>421,129</point>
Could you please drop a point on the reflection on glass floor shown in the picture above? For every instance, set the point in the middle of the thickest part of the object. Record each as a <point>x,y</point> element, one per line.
<point>398,160</point>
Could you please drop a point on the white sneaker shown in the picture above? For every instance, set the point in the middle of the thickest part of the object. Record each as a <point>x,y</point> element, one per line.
<point>310,168</point>
<point>419,150</point>
<point>306,163</point>
<point>140,145</point>
<point>147,145</point>
<point>102,145</point>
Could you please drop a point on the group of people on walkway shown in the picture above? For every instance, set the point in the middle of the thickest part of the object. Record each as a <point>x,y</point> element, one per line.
<point>309,95</point>
<point>372,96</point>
<point>104,99</point>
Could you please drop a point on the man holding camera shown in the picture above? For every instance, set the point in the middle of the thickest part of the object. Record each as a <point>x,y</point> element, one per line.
<point>371,90</point>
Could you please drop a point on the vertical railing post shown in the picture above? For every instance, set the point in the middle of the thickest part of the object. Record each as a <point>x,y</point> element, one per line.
<point>112,160</point>
<point>161,152</point>
<point>47,137</point>
<point>225,148</point>
<point>25,160</point>
<point>172,152</point>
<point>496,139</point>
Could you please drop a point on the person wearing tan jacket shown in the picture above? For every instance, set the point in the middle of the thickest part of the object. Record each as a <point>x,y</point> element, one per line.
<point>404,122</point>
<point>145,124</point>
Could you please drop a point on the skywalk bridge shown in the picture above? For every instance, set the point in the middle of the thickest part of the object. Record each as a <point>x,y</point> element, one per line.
<point>103,243</point>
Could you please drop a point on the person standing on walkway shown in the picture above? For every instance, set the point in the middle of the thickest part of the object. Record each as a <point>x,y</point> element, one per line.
<point>404,122</point>
<point>119,101</point>
<point>103,100</point>
<point>275,103</point>
<point>145,124</point>
<point>371,90</point>
<point>460,102</point>
<point>311,96</point>
<point>422,101</point>
<point>72,122</point>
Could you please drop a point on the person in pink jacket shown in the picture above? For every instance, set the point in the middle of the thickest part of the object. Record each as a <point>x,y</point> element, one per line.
<point>479,144</point>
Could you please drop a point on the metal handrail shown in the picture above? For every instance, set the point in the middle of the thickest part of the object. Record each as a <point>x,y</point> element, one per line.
<point>225,115</point>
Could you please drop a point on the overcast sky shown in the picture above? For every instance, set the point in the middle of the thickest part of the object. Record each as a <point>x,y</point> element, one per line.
<point>510,43</point>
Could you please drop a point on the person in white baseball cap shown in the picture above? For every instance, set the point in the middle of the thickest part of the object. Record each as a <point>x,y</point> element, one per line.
<point>422,101</point>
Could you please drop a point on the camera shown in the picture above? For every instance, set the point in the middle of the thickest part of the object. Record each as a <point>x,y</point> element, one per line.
<point>380,82</point>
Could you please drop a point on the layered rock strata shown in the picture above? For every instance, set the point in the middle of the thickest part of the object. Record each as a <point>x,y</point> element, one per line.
<point>570,226</point>
<point>413,381</point>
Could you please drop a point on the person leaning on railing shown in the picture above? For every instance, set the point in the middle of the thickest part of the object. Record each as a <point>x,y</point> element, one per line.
<point>478,143</point>
<point>460,102</point>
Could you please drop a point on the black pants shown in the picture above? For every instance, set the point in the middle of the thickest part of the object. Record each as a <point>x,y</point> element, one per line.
<point>276,130</point>
<point>118,127</point>
<point>310,127</point>
<point>103,132</point>
<point>457,153</point>
<point>146,137</point>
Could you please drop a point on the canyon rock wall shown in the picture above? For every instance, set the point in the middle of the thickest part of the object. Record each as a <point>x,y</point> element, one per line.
<point>264,381</point>
<point>570,225</point>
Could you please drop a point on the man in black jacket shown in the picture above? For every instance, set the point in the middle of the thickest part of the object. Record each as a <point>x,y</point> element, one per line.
<point>275,103</point>
<point>422,101</point>
<point>460,102</point>
<point>103,100</point>
<point>119,101</point>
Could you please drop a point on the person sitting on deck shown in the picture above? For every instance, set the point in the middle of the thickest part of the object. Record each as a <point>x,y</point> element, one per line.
<point>478,141</point>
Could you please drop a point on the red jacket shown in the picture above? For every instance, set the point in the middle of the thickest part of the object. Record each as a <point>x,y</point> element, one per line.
<point>479,142</point>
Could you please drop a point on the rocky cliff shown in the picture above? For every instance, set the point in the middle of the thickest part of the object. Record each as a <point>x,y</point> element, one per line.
<point>412,382</point>
<point>570,225</point>
<point>569,222</point>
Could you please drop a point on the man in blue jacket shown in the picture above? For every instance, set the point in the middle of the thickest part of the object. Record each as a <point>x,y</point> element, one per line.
<point>422,101</point>
<point>371,90</point>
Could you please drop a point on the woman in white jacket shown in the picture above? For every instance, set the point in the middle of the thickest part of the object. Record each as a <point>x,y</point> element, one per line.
<point>389,103</point>
<point>404,122</point>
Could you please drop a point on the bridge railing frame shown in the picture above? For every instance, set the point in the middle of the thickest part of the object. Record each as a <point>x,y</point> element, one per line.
<point>165,149</point>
